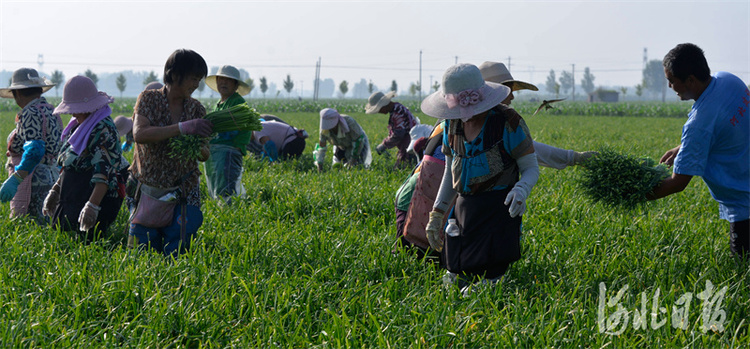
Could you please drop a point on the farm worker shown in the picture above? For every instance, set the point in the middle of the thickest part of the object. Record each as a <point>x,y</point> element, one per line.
<point>715,139</point>
<point>32,146</point>
<point>399,123</point>
<point>547,155</point>
<point>280,140</point>
<point>87,196</point>
<point>350,143</point>
<point>253,146</point>
<point>224,167</point>
<point>127,145</point>
<point>487,146</point>
<point>159,116</point>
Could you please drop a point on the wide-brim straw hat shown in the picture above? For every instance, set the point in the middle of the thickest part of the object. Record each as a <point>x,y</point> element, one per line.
<point>25,78</point>
<point>377,101</point>
<point>231,72</point>
<point>124,125</point>
<point>498,73</point>
<point>81,96</point>
<point>464,94</point>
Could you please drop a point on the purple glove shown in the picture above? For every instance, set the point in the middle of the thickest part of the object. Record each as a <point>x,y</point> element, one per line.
<point>199,127</point>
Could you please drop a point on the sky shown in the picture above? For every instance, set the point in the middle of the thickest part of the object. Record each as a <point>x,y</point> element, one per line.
<point>378,41</point>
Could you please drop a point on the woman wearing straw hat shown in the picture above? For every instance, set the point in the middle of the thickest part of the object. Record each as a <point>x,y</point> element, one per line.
<point>400,123</point>
<point>32,146</point>
<point>547,155</point>
<point>350,143</point>
<point>87,195</point>
<point>159,116</point>
<point>487,146</point>
<point>224,167</point>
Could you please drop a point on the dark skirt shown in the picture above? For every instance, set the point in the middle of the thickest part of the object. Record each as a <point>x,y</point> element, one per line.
<point>75,190</point>
<point>490,239</point>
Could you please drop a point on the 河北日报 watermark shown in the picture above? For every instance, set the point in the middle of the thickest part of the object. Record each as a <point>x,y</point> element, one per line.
<point>652,314</point>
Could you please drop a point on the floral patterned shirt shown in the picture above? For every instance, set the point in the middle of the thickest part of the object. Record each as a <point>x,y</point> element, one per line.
<point>152,164</point>
<point>351,142</point>
<point>29,127</point>
<point>102,155</point>
<point>399,124</point>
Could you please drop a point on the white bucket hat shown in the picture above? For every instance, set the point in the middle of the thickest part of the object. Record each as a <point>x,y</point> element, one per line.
<point>330,117</point>
<point>377,101</point>
<point>231,72</point>
<point>417,132</point>
<point>464,94</point>
<point>497,72</point>
<point>25,78</point>
<point>124,125</point>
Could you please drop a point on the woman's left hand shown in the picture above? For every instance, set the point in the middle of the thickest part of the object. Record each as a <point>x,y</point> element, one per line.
<point>88,216</point>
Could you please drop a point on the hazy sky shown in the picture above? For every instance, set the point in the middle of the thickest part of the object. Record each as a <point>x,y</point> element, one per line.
<point>375,40</point>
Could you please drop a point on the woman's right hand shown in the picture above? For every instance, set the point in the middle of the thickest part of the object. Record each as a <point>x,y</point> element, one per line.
<point>51,201</point>
<point>670,155</point>
<point>199,127</point>
<point>433,230</point>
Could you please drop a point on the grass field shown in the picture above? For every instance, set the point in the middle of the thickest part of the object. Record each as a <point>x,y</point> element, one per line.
<point>305,261</point>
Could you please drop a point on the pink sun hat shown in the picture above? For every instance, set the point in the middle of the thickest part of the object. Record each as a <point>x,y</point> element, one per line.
<point>81,96</point>
<point>464,93</point>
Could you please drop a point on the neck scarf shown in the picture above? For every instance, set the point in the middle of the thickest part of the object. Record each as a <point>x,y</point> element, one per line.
<point>80,137</point>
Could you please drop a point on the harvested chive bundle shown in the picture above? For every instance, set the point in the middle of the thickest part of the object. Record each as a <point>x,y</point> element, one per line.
<point>236,118</point>
<point>186,147</point>
<point>620,180</point>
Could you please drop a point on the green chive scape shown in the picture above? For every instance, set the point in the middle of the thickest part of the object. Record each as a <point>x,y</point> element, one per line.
<point>237,118</point>
<point>620,180</point>
<point>186,146</point>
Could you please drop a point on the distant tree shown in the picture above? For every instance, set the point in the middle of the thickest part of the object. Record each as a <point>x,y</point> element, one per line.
<point>57,79</point>
<point>89,74</point>
<point>250,83</point>
<point>151,77</point>
<point>551,83</point>
<point>201,87</point>
<point>263,86</point>
<point>588,80</point>
<point>413,89</point>
<point>557,90</point>
<point>370,87</point>
<point>566,81</point>
<point>121,83</point>
<point>436,86</point>
<point>288,85</point>
<point>639,90</point>
<point>277,94</point>
<point>653,78</point>
<point>624,91</point>
<point>394,86</point>
<point>344,88</point>
<point>418,86</point>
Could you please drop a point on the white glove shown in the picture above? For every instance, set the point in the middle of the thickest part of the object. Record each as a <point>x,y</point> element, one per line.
<point>432,230</point>
<point>51,201</point>
<point>87,218</point>
<point>517,200</point>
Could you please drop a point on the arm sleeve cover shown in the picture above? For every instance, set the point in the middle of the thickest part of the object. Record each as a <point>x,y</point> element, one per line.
<point>33,151</point>
<point>445,194</point>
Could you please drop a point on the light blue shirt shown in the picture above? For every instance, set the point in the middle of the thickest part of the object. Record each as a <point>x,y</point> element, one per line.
<point>716,144</point>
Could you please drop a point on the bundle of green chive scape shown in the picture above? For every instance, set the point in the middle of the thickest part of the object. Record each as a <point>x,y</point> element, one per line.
<point>620,180</point>
<point>237,118</point>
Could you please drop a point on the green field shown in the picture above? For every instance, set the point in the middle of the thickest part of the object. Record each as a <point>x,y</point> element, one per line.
<point>306,261</point>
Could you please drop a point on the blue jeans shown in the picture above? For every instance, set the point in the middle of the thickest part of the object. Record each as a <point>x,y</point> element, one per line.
<point>167,240</point>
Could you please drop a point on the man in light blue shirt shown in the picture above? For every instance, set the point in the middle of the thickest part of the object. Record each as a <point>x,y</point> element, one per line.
<point>715,142</point>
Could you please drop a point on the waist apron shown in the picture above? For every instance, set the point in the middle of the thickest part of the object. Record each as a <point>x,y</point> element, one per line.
<point>489,240</point>
<point>75,190</point>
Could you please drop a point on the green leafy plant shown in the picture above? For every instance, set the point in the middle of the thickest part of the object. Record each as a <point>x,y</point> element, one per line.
<point>186,146</point>
<point>620,180</point>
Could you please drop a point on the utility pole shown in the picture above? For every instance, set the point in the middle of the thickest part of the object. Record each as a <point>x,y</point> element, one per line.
<point>508,63</point>
<point>40,61</point>
<point>456,60</point>
<point>317,81</point>
<point>574,82</point>
<point>301,87</point>
<point>420,75</point>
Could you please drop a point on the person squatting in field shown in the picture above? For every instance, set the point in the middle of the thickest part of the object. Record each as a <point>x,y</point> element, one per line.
<point>486,146</point>
<point>351,146</point>
<point>415,197</point>
<point>224,167</point>
<point>280,140</point>
<point>400,123</point>
<point>32,146</point>
<point>715,143</point>
<point>168,213</point>
<point>88,195</point>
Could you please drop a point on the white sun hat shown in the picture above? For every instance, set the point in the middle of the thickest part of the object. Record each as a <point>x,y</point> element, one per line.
<point>464,94</point>
<point>231,72</point>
